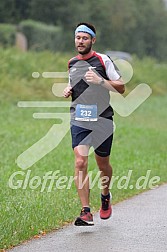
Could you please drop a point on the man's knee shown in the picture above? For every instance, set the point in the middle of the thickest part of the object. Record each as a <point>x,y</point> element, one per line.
<point>81,163</point>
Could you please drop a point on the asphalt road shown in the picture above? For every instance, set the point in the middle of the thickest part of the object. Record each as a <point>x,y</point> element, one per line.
<point>137,224</point>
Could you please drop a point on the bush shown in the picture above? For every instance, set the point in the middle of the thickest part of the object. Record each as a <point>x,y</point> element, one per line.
<point>7,35</point>
<point>41,36</point>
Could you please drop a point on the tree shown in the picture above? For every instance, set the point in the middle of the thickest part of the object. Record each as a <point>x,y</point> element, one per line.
<point>14,11</point>
<point>136,26</point>
<point>150,34</point>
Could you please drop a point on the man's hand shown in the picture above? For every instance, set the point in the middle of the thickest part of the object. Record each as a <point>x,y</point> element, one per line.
<point>92,77</point>
<point>67,92</point>
<point>114,86</point>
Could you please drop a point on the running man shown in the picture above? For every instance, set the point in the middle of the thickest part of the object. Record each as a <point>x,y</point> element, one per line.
<point>91,76</point>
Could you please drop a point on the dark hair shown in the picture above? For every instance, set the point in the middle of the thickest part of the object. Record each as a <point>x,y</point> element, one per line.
<point>89,26</point>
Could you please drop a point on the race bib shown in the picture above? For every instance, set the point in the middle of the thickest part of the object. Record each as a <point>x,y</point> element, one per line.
<point>86,112</point>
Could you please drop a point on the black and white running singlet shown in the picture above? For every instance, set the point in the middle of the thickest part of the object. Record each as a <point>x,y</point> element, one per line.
<point>85,93</point>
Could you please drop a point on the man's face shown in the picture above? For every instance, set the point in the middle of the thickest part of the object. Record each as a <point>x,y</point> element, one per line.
<point>83,42</point>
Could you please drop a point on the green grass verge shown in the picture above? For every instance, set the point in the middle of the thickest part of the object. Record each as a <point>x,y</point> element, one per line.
<point>139,145</point>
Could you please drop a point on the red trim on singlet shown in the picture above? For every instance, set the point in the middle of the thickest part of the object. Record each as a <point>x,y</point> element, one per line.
<point>70,61</point>
<point>101,59</point>
<point>88,56</point>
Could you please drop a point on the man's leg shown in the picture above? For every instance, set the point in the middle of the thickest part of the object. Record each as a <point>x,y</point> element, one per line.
<point>82,185</point>
<point>106,173</point>
<point>82,180</point>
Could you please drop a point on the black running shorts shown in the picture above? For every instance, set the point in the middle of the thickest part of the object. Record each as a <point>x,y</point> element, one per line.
<point>97,134</point>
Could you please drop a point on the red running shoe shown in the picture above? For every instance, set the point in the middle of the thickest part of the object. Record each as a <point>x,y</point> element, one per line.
<point>106,209</point>
<point>85,219</point>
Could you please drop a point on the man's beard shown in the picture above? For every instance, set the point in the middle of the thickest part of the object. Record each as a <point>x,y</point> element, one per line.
<point>87,49</point>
